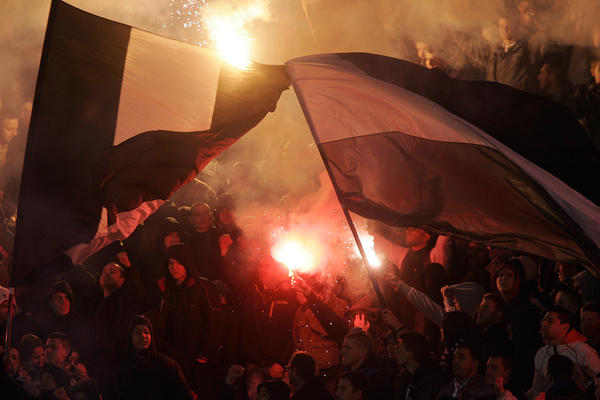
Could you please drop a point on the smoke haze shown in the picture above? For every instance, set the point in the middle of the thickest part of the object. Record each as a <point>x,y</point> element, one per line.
<point>280,155</point>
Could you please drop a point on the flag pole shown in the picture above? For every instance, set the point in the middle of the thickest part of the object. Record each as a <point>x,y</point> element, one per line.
<point>363,255</point>
<point>8,333</point>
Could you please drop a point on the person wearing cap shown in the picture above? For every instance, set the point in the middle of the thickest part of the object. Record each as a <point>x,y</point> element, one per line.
<point>145,373</point>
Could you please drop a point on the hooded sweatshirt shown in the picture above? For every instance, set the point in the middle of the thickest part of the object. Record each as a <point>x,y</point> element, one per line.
<point>585,361</point>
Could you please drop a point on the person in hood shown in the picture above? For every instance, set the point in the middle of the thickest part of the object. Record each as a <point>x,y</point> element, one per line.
<point>588,286</point>
<point>186,311</point>
<point>522,316</point>
<point>560,338</point>
<point>147,373</point>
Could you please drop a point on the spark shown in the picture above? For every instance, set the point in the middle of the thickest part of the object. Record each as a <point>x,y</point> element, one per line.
<point>368,243</point>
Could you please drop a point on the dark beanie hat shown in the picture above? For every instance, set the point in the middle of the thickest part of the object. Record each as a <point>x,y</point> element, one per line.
<point>183,254</point>
<point>61,287</point>
<point>28,343</point>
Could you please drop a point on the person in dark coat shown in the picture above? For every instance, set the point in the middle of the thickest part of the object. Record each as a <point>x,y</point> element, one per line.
<point>509,281</point>
<point>186,314</point>
<point>512,63</point>
<point>419,377</point>
<point>301,372</point>
<point>204,241</point>
<point>146,373</point>
<point>587,104</point>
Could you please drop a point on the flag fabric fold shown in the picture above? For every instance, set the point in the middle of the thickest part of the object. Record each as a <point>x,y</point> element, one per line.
<point>121,119</point>
<point>409,146</point>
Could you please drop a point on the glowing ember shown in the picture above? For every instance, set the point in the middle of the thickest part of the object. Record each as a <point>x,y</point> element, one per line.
<point>368,244</point>
<point>230,36</point>
<point>296,253</point>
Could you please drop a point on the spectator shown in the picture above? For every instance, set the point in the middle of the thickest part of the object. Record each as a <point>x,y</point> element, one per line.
<point>561,338</point>
<point>587,285</point>
<point>86,389</point>
<point>188,332</point>
<point>54,383</point>
<point>301,372</point>
<point>511,63</point>
<point>59,352</point>
<point>509,282</point>
<point>554,85</point>
<point>273,390</point>
<point>497,374</point>
<point>356,355</point>
<point>467,383</point>
<point>319,325</point>
<point>559,374</point>
<point>146,373</point>
<point>490,317</point>
<point>204,242</point>
<point>587,104</point>
<point>62,318</point>
<point>590,324</point>
<point>9,129</point>
<point>32,353</point>
<point>419,377</point>
<point>351,386</point>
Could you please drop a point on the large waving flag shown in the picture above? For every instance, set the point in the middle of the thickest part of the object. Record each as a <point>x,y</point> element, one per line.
<point>121,119</point>
<point>412,147</point>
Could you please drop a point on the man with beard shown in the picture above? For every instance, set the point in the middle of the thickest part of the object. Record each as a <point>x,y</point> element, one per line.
<point>490,317</point>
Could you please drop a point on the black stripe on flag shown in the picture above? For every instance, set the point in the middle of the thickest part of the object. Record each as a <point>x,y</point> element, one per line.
<point>73,120</point>
<point>539,129</point>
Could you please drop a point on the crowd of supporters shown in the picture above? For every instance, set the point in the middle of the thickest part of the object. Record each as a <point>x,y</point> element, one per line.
<point>192,306</point>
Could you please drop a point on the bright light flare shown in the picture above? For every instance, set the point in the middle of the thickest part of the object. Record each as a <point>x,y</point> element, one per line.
<point>368,243</point>
<point>229,34</point>
<point>296,253</point>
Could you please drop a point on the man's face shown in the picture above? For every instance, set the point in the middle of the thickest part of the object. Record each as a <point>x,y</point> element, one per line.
<point>112,277</point>
<point>344,391</point>
<point>352,355</point>
<point>486,313</point>
<point>172,238</point>
<point>495,372</point>
<point>56,352</point>
<point>463,365</point>
<point>60,304</point>
<point>200,218</point>
<point>226,217</point>
<point>140,337</point>
<point>402,355</point>
<point>505,29</point>
<point>38,357</point>
<point>590,325</point>
<point>553,331</point>
<point>13,360</point>
<point>505,280</point>
<point>176,270</point>
<point>10,128</point>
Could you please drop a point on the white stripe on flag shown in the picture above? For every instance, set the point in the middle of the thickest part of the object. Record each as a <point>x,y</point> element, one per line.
<point>167,85</point>
<point>127,222</point>
<point>341,101</point>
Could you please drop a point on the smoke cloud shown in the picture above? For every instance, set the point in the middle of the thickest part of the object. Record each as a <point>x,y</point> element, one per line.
<point>278,165</point>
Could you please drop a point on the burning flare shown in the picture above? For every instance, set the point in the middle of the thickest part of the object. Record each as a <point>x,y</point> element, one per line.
<point>368,243</point>
<point>228,31</point>
<point>296,252</point>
